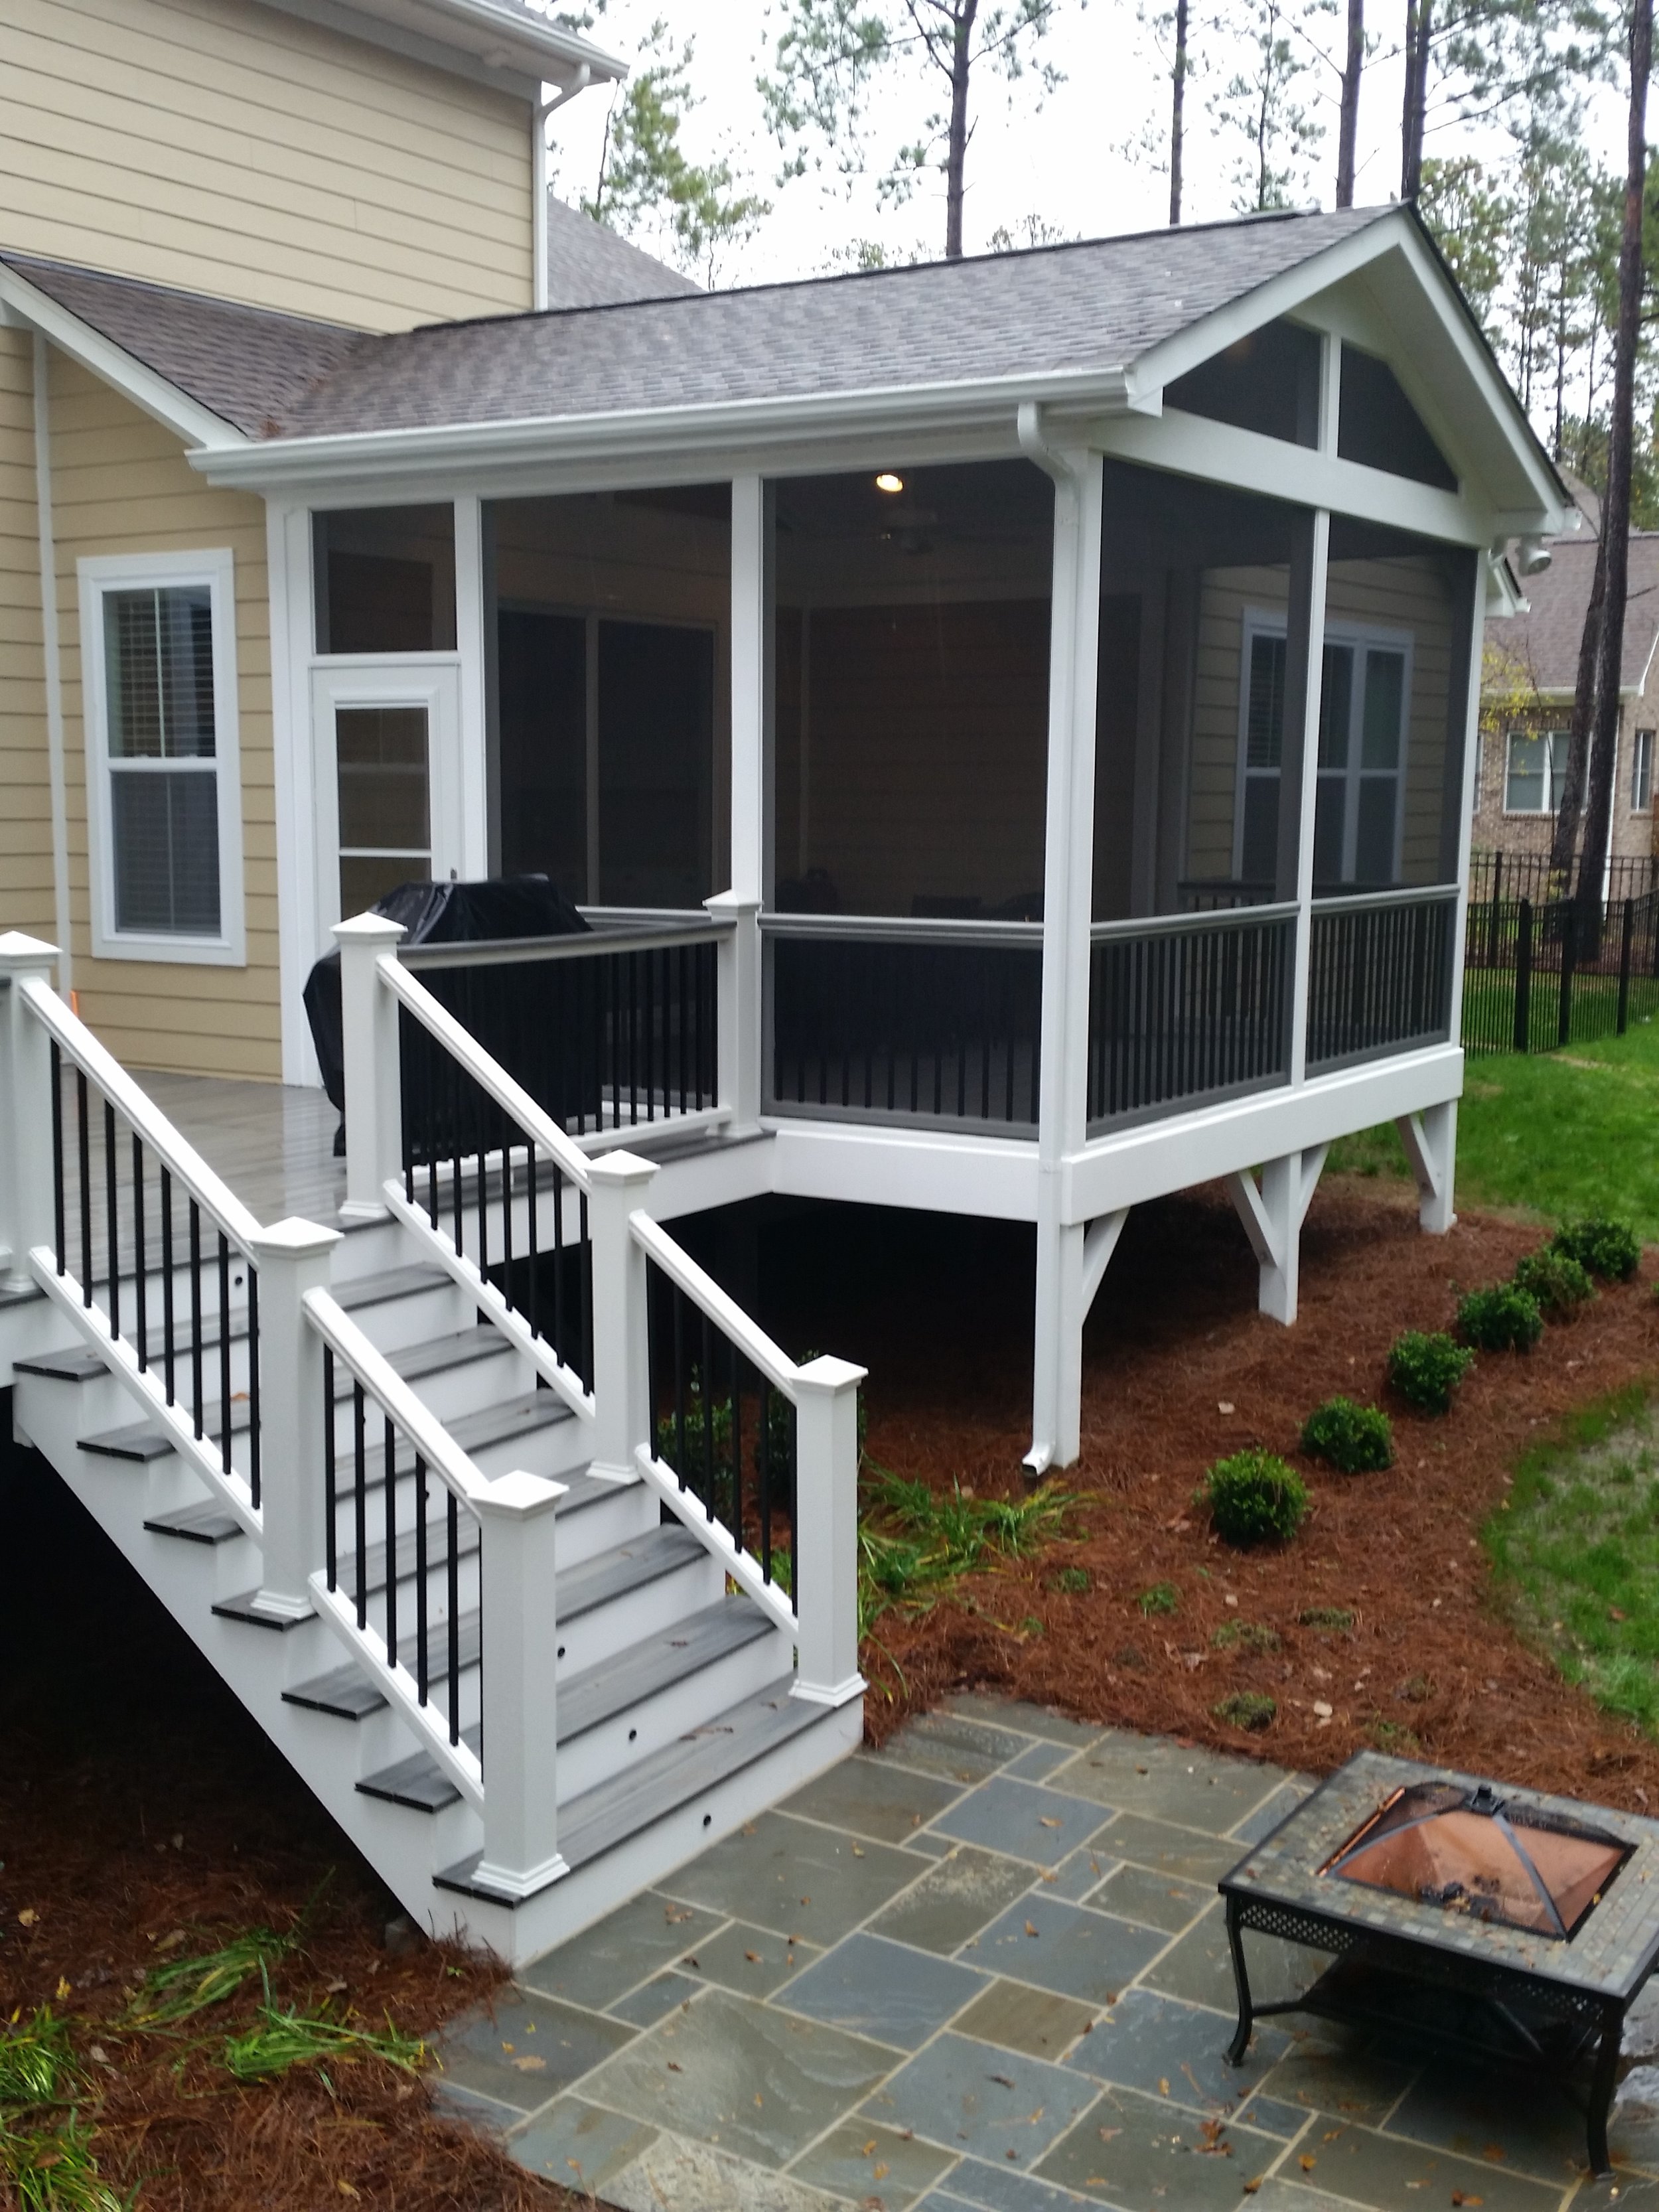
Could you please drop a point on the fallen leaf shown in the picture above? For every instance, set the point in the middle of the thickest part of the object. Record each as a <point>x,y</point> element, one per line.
<point>1308,2161</point>
<point>63,1987</point>
<point>753,1957</point>
<point>868,2147</point>
<point>1029,1928</point>
<point>1162,2085</point>
<point>28,1918</point>
<point>1225,1406</point>
<point>346,2189</point>
<point>857,1850</point>
<point>878,2173</point>
<point>1322,1709</point>
<point>1462,2196</point>
<point>1007,2081</point>
<point>1494,2151</point>
<point>1250,2187</point>
<point>757,2096</point>
<point>530,2064</point>
<point>674,2066</point>
<point>1047,1820</point>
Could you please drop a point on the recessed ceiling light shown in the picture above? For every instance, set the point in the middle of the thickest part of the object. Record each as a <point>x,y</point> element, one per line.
<point>888,482</point>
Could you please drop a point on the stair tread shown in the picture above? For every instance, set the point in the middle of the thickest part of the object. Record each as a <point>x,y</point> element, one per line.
<point>347,1691</point>
<point>380,1289</point>
<point>598,1694</point>
<point>144,1440</point>
<point>204,1522</point>
<point>606,1816</point>
<point>520,1416</point>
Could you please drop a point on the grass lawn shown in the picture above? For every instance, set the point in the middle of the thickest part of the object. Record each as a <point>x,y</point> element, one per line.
<point>1576,1545</point>
<point>1557,1133</point>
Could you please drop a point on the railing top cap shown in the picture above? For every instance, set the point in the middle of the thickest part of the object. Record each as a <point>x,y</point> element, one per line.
<point>18,951</point>
<point>620,1168</point>
<point>296,1237</point>
<point>369,929</point>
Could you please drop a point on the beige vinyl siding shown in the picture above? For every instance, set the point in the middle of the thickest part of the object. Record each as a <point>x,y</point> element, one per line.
<point>1225,594</point>
<point>235,149</point>
<point>121,485</point>
<point>26,889</point>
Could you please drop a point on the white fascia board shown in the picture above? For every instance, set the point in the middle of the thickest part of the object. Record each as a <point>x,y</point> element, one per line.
<point>750,425</point>
<point>508,50</point>
<point>1216,452</point>
<point>936,1171</point>
<point>175,410</point>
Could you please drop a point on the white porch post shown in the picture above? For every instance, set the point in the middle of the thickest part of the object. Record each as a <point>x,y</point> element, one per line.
<point>825,1563</point>
<point>373,1073</point>
<point>751,689</point>
<point>26,1161</point>
<point>292,1257</point>
<point>1067,902</point>
<point>516,1559</point>
<point>618,1183</point>
<point>738,1045</point>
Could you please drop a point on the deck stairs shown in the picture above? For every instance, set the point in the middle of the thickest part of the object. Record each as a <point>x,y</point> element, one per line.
<point>533,1671</point>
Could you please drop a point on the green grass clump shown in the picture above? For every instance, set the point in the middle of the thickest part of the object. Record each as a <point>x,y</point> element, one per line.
<point>184,1987</point>
<point>1071,1582</point>
<point>1575,1547</point>
<point>1254,1497</point>
<point>45,2149</point>
<point>1336,1618</point>
<point>1601,1246</point>
<point>1163,1597</point>
<point>1500,1318</point>
<point>1353,1439</point>
<point>1425,1368</point>
<point>916,1543</point>
<point>284,2037</point>
<point>1399,1743</point>
<point>1247,1636</point>
<point>1247,1709</point>
<point>1556,1280</point>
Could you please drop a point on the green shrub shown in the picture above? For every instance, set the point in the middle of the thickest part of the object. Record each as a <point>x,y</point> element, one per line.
<point>1556,1279</point>
<point>1601,1246</point>
<point>1500,1318</point>
<point>1163,1597</point>
<point>1353,1439</point>
<point>1247,1636</point>
<point>1246,1709</point>
<point>1337,1618</point>
<point>1254,1497</point>
<point>1426,1367</point>
<point>1070,1582</point>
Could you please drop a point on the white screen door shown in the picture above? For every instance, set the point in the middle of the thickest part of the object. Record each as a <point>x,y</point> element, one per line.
<point>385,748</point>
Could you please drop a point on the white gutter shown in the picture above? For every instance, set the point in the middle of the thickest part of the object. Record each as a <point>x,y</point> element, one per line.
<point>893,410</point>
<point>53,660</point>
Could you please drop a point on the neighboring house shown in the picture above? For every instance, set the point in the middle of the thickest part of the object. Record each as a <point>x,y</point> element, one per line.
<point>1009,724</point>
<point>1532,672</point>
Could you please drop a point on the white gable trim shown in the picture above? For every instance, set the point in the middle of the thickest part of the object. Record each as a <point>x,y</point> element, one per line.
<point>187,418</point>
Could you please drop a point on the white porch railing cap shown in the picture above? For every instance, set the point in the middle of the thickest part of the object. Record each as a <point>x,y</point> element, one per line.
<point>294,1238</point>
<point>732,902</point>
<point>624,1170</point>
<point>369,929</point>
<point>517,1496</point>
<point>827,1374</point>
<point>25,955</point>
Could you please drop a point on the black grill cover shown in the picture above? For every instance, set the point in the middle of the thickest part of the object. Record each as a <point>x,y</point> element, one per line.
<point>436,914</point>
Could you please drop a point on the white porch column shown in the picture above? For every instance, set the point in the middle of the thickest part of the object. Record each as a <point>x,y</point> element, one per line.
<point>1068,902</point>
<point>618,1183</point>
<point>737,983</point>
<point>825,1563</point>
<point>27,1211</point>
<point>292,1257</point>
<point>373,1071</point>
<point>751,689</point>
<point>516,1559</point>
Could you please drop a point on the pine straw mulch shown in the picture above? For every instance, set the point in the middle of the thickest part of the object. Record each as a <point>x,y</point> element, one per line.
<point>144,1817</point>
<point>1174,1338</point>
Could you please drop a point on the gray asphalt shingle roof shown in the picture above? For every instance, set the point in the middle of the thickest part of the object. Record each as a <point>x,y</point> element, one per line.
<point>1545,640</point>
<point>1097,306</point>
<point>589,266</point>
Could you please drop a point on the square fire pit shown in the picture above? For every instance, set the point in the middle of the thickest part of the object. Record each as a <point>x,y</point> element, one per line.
<point>1490,1920</point>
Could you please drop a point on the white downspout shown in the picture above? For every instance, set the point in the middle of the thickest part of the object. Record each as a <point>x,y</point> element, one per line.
<point>538,185</point>
<point>52,659</point>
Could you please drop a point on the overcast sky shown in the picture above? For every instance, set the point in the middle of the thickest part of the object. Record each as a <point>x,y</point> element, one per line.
<point>1065,159</point>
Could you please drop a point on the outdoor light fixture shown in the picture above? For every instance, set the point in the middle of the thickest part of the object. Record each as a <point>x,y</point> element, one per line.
<point>888,482</point>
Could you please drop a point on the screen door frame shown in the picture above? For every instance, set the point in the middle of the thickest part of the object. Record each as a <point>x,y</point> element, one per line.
<point>433,689</point>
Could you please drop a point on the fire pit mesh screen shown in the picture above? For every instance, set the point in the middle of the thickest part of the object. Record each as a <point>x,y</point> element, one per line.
<point>1469,1851</point>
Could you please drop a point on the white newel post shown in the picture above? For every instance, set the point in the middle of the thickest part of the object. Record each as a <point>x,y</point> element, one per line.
<point>738,986</point>
<point>826,1534</point>
<point>292,1257</point>
<point>618,1183</point>
<point>25,1164</point>
<point>373,1075</point>
<point>517,1559</point>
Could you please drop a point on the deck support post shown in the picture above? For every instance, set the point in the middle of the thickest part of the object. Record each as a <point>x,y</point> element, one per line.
<point>825,1539</point>
<point>1273,1214</point>
<point>1431,1142</point>
<point>516,1559</point>
<point>738,989</point>
<point>618,1183</point>
<point>1067,907</point>
<point>293,1257</point>
<point>374,1070</point>
<point>26,1160</point>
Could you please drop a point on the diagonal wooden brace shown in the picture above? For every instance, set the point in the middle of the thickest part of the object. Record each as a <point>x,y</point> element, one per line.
<point>1273,1212</point>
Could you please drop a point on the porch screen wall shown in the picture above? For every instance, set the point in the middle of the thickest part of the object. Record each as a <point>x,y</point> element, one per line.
<point>609,694</point>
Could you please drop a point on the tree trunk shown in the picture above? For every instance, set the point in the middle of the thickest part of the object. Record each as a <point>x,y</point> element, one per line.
<point>956,159</point>
<point>1348,131</point>
<point>1176,103</point>
<point>1615,510</point>
<point>1419,27</point>
<point>1564,841</point>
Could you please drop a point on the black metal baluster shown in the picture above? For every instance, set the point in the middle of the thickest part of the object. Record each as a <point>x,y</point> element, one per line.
<point>763,1457</point>
<point>140,1289</point>
<point>196,1312</point>
<point>454,1581</point>
<point>224,1352</point>
<point>506,1211</point>
<point>736,1448</point>
<point>708,1415</point>
<point>560,1341</point>
<point>253,1433</point>
<point>82,1150</point>
<point>57,1151</point>
<point>456,1194</point>
<point>389,1501</point>
<point>422,1672</point>
<point>112,1220</point>
<point>167,1330</point>
<point>330,1471</point>
<point>534,1231</point>
<point>585,1285</point>
<point>360,1497</point>
<point>480,1136</point>
<point>676,1299</point>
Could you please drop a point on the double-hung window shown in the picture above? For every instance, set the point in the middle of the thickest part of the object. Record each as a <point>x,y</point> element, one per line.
<point>1365,692</point>
<point>164,811</point>
<point>1641,773</point>
<point>1535,772</point>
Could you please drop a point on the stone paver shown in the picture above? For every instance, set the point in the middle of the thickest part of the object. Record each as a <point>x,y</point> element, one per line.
<point>985,1970</point>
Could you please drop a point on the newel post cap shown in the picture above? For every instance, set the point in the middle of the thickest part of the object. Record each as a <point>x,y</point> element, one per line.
<point>827,1374</point>
<point>620,1171</point>
<point>517,1496</point>
<point>369,929</point>
<point>294,1239</point>
<point>725,905</point>
<point>22,956</point>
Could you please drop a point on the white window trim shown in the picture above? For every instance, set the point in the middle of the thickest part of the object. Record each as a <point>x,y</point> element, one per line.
<point>1546,813</point>
<point>1263,621</point>
<point>105,572</point>
<point>1637,737</point>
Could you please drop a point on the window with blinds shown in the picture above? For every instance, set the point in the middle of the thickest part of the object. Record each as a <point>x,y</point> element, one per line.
<point>164,800</point>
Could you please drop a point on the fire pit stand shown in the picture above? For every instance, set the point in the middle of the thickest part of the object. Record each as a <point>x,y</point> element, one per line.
<point>1445,1962</point>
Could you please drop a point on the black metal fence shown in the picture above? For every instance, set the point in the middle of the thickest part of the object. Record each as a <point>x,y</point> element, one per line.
<point>1541,975</point>
<point>1194,1008</point>
<point>936,1021</point>
<point>1379,975</point>
<point>1494,877</point>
